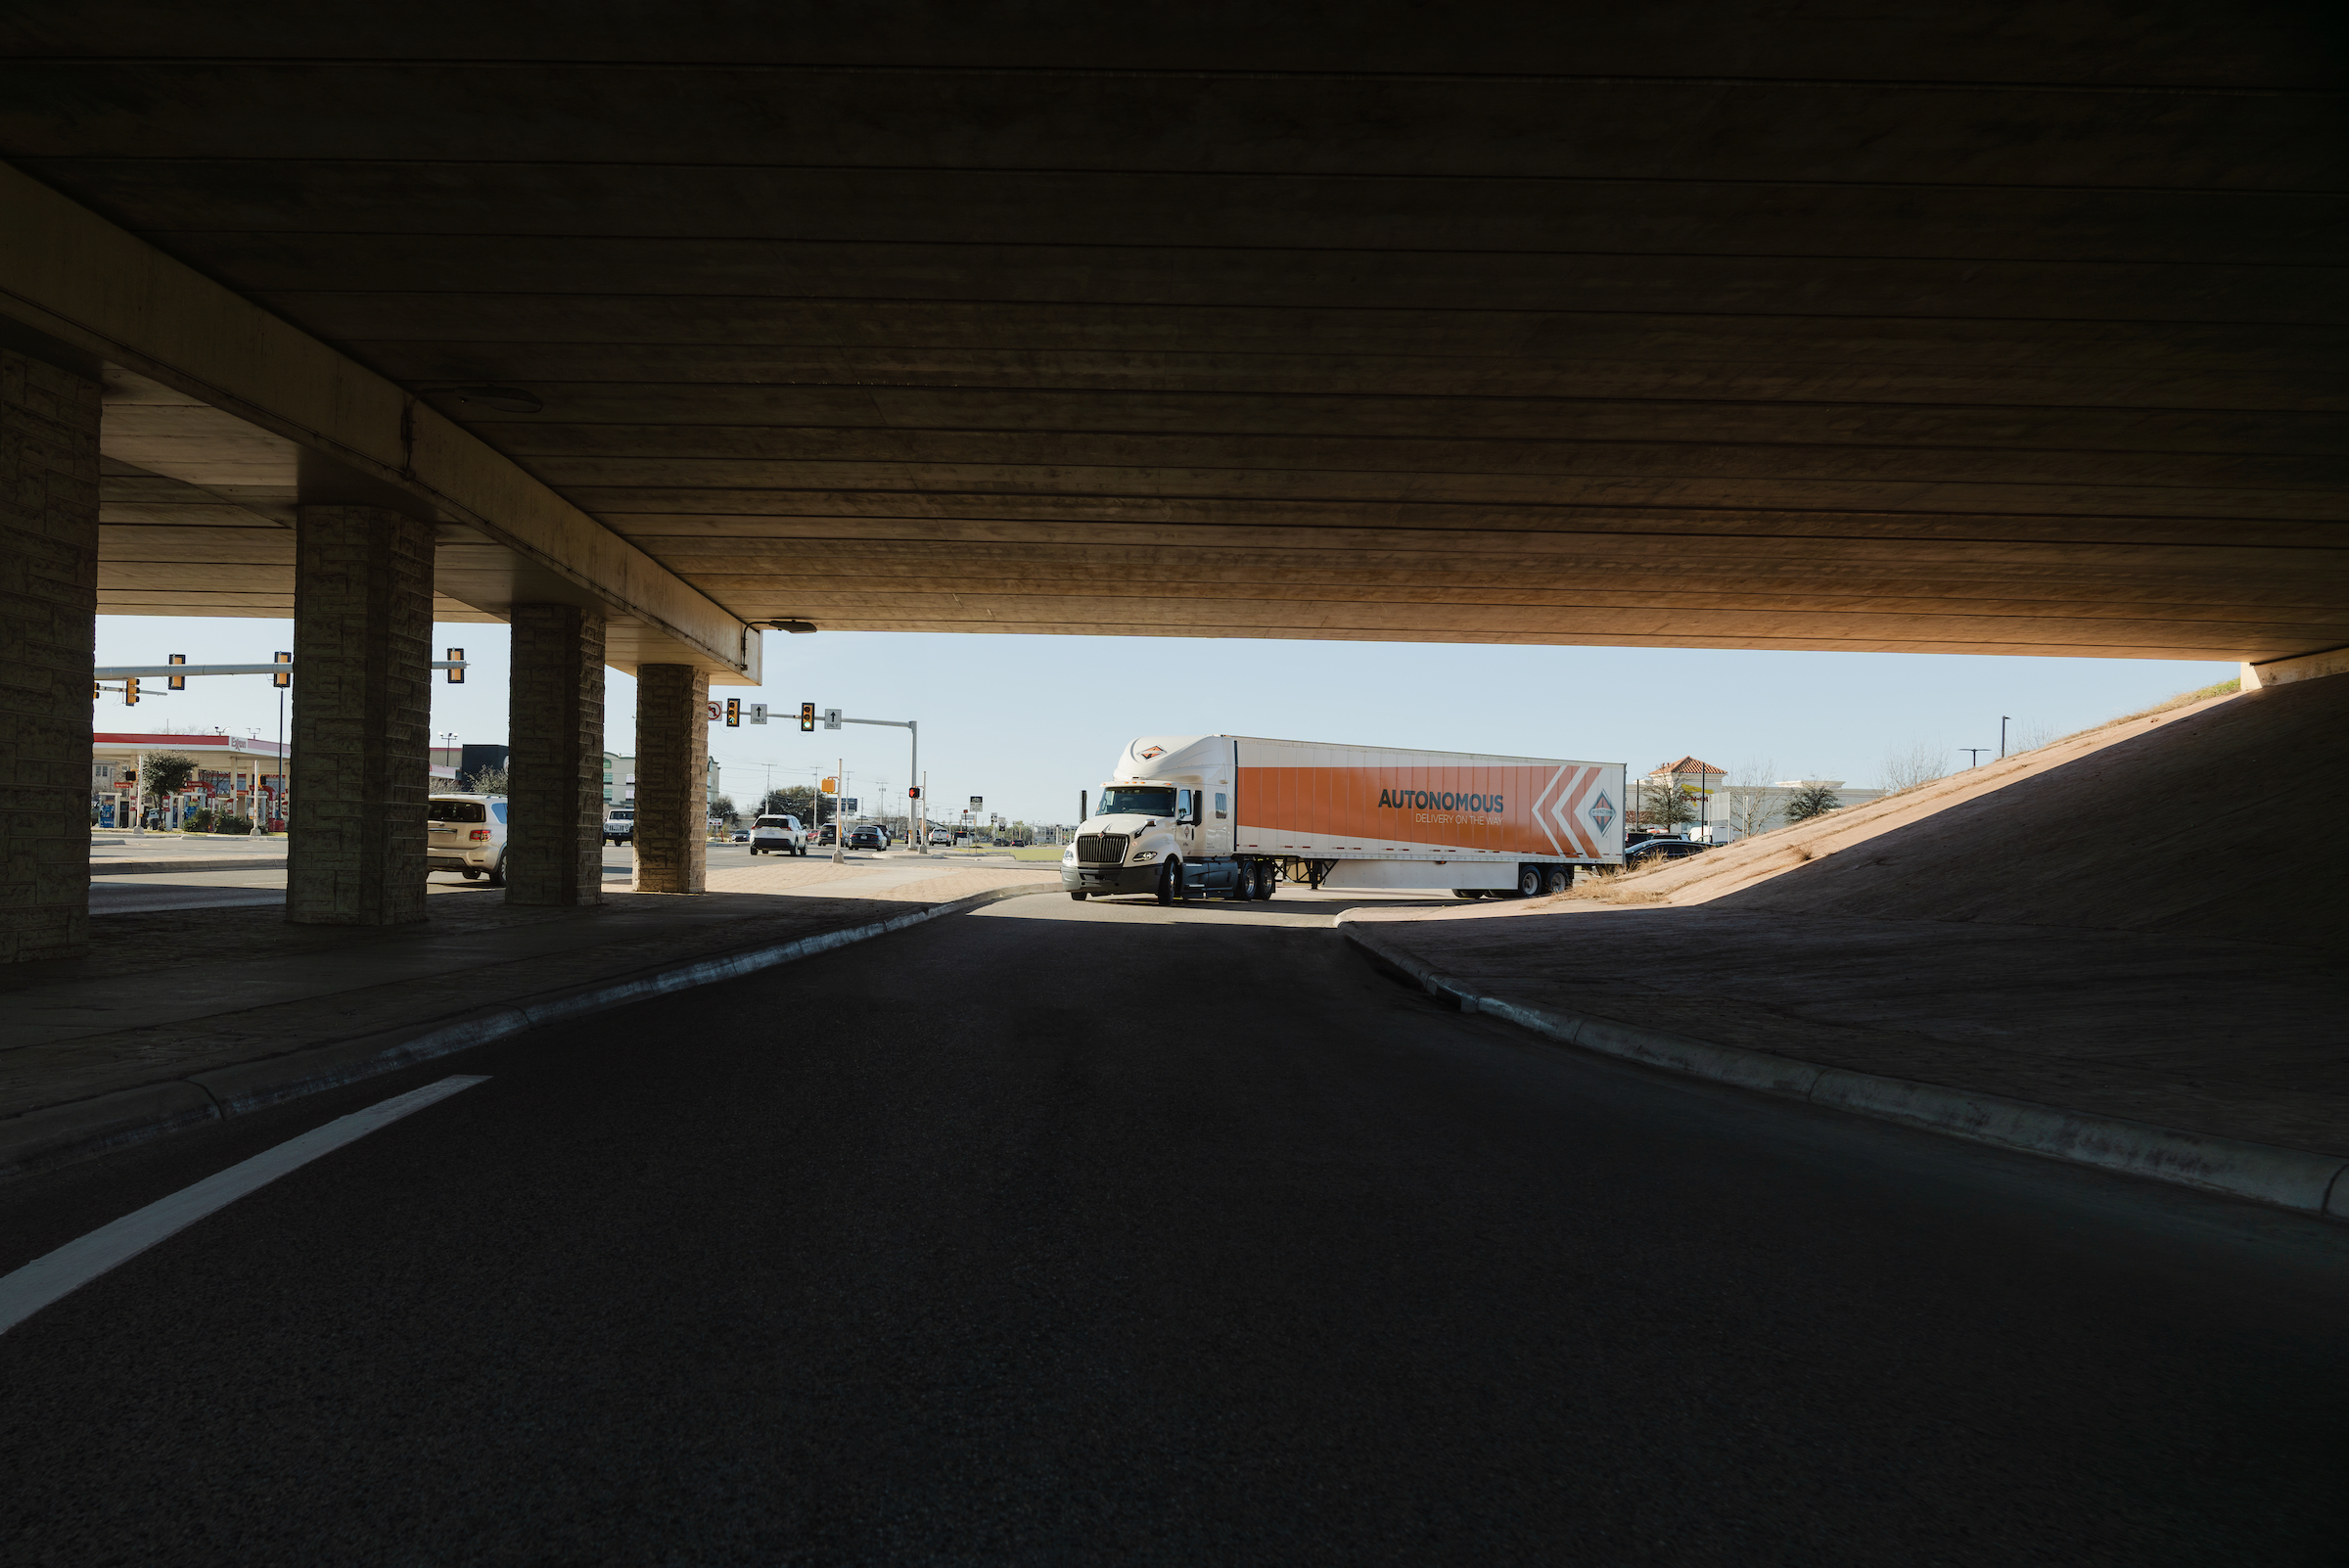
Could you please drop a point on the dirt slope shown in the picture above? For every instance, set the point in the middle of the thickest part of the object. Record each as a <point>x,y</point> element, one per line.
<point>2152,824</point>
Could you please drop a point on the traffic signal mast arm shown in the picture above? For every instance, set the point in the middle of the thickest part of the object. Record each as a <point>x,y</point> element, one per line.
<point>149,672</point>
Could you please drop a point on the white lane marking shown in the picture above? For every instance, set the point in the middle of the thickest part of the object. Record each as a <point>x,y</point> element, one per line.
<point>60,1273</point>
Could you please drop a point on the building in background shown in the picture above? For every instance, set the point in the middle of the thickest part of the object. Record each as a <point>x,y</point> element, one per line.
<point>620,780</point>
<point>235,776</point>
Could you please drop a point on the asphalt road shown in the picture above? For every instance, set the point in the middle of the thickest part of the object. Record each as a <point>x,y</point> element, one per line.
<point>1070,1233</point>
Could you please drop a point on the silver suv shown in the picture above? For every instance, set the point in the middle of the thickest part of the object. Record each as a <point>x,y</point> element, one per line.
<point>466,833</point>
<point>620,824</point>
<point>778,835</point>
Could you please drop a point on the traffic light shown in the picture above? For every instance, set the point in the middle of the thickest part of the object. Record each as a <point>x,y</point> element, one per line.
<point>456,655</point>
<point>733,713</point>
<point>808,718</point>
<point>831,786</point>
<point>177,682</point>
<point>130,691</point>
<point>284,677</point>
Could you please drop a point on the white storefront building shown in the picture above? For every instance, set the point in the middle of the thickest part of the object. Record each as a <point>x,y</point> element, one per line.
<point>1727,812</point>
<point>235,776</point>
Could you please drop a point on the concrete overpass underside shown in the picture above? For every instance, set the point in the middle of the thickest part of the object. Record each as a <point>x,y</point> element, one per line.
<point>1961,329</point>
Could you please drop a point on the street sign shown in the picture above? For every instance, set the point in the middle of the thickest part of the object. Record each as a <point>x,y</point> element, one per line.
<point>757,713</point>
<point>977,802</point>
<point>830,719</point>
<point>849,804</point>
<point>716,712</point>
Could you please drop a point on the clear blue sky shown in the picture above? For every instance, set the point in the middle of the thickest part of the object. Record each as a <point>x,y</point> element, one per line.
<point>1027,721</point>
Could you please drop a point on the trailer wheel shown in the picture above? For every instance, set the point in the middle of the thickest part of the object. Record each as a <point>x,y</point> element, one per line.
<point>1561,878</point>
<point>1528,882</point>
<point>1467,893</point>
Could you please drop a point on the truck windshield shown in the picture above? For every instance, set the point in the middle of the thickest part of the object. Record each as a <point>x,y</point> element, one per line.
<point>1119,800</point>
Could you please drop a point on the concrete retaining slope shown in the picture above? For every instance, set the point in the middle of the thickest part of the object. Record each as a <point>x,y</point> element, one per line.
<point>2152,824</point>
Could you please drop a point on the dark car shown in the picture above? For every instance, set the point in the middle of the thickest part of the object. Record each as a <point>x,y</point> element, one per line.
<point>1650,851</point>
<point>867,837</point>
<point>824,835</point>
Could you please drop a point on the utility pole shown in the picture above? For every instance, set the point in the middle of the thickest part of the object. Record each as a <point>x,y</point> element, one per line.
<point>2002,718</point>
<point>840,834</point>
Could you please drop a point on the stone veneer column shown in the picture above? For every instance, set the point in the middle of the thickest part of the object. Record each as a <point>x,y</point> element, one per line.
<point>362,712</point>
<point>672,778</point>
<point>48,642</point>
<point>554,770</point>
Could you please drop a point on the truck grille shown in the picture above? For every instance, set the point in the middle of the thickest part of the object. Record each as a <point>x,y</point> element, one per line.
<point>1101,849</point>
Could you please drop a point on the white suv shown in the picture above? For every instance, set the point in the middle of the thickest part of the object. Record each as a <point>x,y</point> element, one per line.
<point>466,833</point>
<point>620,824</point>
<point>778,835</point>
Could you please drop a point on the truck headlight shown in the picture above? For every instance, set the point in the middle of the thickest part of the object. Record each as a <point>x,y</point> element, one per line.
<point>1068,856</point>
<point>1144,855</point>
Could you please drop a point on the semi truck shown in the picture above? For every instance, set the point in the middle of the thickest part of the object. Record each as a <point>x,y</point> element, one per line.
<point>1233,815</point>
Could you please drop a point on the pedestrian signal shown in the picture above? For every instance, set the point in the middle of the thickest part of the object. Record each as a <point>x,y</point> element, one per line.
<point>130,691</point>
<point>808,718</point>
<point>177,682</point>
<point>915,794</point>
<point>733,713</point>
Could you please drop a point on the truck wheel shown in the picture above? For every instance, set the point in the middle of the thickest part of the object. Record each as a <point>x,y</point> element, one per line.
<point>1243,883</point>
<point>1528,882</point>
<point>1265,878</point>
<point>1079,896</point>
<point>1170,882</point>
<point>1561,878</point>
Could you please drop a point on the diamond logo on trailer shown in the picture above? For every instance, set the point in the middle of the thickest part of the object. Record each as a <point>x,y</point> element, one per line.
<point>1148,752</point>
<point>1602,811</point>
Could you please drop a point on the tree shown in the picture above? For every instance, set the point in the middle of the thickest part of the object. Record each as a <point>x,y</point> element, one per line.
<point>167,771</point>
<point>799,799</point>
<point>1666,803</point>
<point>722,807</point>
<point>485,781</point>
<point>1911,765</point>
<point>1812,800</point>
<point>1753,805</point>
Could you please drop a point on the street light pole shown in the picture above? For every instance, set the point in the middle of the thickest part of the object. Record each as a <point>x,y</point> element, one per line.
<point>2002,718</point>
<point>1973,755</point>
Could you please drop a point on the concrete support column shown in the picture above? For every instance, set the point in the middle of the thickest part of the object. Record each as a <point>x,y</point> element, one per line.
<point>554,770</point>
<point>672,778</point>
<point>362,714</point>
<point>48,642</point>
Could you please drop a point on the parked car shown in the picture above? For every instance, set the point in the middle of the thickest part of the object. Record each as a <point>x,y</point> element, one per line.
<point>865,836</point>
<point>778,835</point>
<point>1648,851</point>
<point>620,824</point>
<point>466,833</point>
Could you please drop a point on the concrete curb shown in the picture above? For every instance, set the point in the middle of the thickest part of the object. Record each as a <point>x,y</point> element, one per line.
<point>2290,1179</point>
<point>142,868</point>
<point>59,1134</point>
